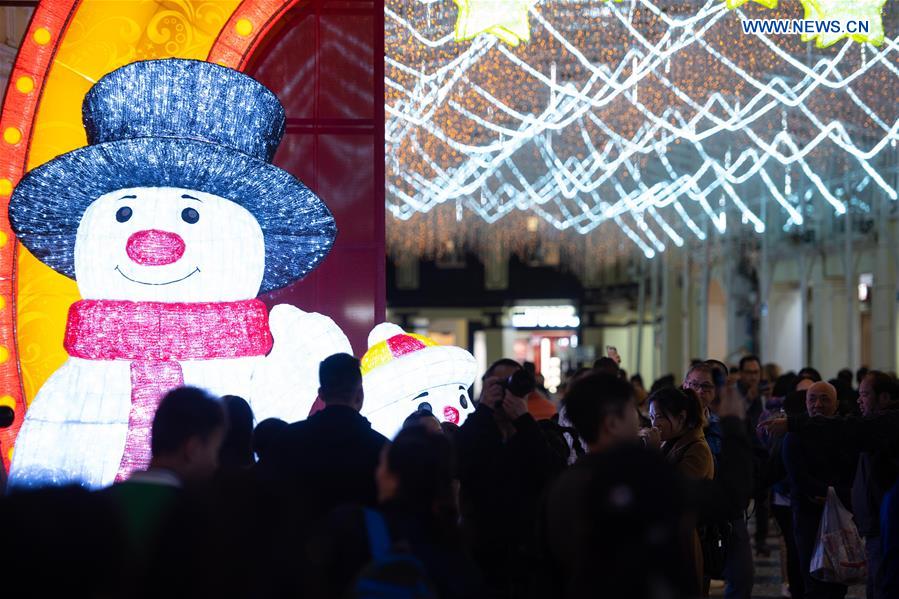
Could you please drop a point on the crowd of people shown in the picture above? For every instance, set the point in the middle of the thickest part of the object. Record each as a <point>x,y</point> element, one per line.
<point>611,490</point>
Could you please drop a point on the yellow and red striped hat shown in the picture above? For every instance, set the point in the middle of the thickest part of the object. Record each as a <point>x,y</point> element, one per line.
<point>397,344</point>
<point>394,353</point>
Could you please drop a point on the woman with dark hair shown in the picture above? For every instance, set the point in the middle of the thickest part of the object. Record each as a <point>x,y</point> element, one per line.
<point>679,417</point>
<point>417,509</point>
<point>236,452</point>
<point>416,471</point>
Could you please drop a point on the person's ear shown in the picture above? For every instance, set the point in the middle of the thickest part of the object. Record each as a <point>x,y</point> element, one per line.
<point>191,449</point>
<point>387,482</point>
<point>609,426</point>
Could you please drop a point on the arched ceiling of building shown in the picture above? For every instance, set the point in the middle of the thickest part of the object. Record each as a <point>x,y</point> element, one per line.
<point>632,126</point>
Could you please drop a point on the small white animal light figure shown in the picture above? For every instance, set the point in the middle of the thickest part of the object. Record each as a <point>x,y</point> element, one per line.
<point>172,220</point>
<point>404,372</point>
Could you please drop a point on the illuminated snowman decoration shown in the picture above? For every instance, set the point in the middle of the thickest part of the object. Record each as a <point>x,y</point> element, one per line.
<point>172,220</point>
<point>404,372</point>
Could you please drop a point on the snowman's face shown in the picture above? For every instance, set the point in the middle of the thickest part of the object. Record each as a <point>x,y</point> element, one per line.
<point>449,403</point>
<point>168,244</point>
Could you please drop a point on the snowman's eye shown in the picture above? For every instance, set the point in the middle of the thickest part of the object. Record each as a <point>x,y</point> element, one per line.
<point>190,216</point>
<point>123,214</point>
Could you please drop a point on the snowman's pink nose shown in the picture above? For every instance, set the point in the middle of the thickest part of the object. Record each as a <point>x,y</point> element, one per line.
<point>153,247</point>
<point>451,415</point>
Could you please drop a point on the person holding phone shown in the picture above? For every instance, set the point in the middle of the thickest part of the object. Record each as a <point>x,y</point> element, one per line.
<point>612,352</point>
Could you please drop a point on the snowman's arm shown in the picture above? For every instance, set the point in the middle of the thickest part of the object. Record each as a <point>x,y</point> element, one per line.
<point>286,382</point>
<point>74,431</point>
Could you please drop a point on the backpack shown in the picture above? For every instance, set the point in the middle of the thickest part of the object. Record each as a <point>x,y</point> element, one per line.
<point>391,574</point>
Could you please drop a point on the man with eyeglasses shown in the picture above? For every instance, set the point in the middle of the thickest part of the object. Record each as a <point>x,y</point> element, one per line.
<point>700,380</point>
<point>739,571</point>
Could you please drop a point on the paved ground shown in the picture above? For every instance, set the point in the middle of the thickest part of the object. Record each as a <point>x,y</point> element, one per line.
<point>768,573</point>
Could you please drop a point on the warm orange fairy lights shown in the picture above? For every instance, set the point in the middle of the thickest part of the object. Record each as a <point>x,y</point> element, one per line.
<point>24,84</point>
<point>12,136</point>
<point>32,64</point>
<point>243,27</point>
<point>42,36</point>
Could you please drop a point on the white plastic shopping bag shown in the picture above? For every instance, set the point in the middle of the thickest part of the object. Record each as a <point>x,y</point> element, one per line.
<point>839,551</point>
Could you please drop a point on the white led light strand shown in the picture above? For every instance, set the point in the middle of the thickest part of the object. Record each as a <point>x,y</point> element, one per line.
<point>569,156</point>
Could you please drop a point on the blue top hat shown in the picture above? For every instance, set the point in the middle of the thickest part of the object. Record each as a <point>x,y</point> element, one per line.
<point>177,123</point>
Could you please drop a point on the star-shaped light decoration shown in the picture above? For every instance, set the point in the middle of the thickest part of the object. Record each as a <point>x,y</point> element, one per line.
<point>843,10</point>
<point>506,19</point>
<point>731,4</point>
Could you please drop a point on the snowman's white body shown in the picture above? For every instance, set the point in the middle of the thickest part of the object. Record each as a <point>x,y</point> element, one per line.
<point>75,429</point>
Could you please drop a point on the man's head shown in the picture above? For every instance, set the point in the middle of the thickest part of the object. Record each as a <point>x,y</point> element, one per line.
<point>877,392</point>
<point>606,365</point>
<point>804,384</point>
<point>845,377</point>
<point>810,373</point>
<point>188,431</point>
<point>601,408</point>
<point>720,374</point>
<point>750,371</point>
<point>494,388</point>
<point>423,419</point>
<point>719,366</point>
<point>502,369</point>
<point>265,434</point>
<point>860,374</point>
<point>664,382</point>
<point>784,385</point>
<point>237,448</point>
<point>821,399</point>
<point>700,378</point>
<point>340,381</point>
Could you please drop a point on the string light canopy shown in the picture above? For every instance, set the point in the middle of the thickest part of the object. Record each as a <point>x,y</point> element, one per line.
<point>658,122</point>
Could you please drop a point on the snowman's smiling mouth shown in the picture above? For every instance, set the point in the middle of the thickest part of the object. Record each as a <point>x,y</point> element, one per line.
<point>193,272</point>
